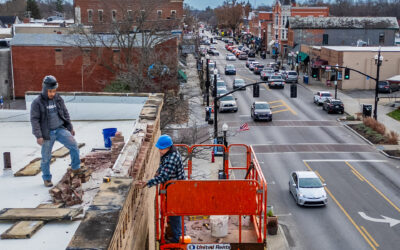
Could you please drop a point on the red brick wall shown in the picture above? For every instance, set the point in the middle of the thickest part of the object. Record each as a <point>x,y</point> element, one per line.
<point>305,12</point>
<point>122,7</point>
<point>31,64</point>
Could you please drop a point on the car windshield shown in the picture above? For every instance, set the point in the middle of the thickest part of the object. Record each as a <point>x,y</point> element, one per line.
<point>326,94</point>
<point>262,106</point>
<point>230,67</point>
<point>219,83</point>
<point>240,81</point>
<point>292,73</point>
<point>310,183</point>
<point>227,98</point>
<point>336,102</point>
<point>260,66</point>
<point>276,77</point>
<point>382,83</point>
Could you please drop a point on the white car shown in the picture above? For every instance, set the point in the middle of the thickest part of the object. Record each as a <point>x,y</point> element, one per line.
<point>228,103</point>
<point>230,57</point>
<point>221,85</point>
<point>307,189</point>
<point>321,96</point>
<point>252,65</point>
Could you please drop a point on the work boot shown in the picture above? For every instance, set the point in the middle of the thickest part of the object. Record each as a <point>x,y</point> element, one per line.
<point>78,171</point>
<point>48,183</point>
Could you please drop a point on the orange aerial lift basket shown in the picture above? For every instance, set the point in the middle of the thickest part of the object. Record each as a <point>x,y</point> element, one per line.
<point>233,197</point>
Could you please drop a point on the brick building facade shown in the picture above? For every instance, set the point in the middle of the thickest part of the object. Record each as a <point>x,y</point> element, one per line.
<point>282,11</point>
<point>77,69</point>
<point>106,12</point>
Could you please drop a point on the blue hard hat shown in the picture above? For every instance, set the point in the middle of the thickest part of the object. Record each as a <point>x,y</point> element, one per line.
<point>164,142</point>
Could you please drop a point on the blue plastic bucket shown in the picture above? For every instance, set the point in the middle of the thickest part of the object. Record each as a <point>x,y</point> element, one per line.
<point>107,134</point>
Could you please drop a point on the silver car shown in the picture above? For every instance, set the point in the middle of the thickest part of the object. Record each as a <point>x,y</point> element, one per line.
<point>307,189</point>
<point>291,76</point>
<point>261,111</point>
<point>230,58</point>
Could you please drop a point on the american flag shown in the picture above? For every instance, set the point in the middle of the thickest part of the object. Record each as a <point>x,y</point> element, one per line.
<point>244,127</point>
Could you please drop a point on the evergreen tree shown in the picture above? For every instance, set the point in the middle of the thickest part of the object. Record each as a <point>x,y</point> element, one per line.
<point>60,6</point>
<point>32,6</point>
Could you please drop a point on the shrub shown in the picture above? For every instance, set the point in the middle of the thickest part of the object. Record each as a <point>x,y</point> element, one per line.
<point>375,125</point>
<point>393,138</point>
<point>117,86</point>
<point>270,213</point>
<point>350,118</point>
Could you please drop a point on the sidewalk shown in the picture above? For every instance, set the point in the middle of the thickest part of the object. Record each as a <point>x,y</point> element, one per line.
<point>352,104</point>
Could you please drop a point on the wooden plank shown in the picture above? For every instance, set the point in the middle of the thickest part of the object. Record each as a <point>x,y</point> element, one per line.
<point>63,151</point>
<point>25,229</point>
<point>32,169</point>
<point>45,214</point>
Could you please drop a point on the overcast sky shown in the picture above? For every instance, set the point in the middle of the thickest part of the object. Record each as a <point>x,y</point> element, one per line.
<point>202,4</point>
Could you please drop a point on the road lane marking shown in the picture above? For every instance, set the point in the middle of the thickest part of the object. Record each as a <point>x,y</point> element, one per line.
<point>338,160</point>
<point>277,106</point>
<point>266,87</point>
<point>345,212</point>
<point>275,101</point>
<point>278,111</point>
<point>357,175</point>
<point>288,107</point>
<point>392,222</point>
<point>322,179</point>
<point>377,190</point>
<point>369,236</point>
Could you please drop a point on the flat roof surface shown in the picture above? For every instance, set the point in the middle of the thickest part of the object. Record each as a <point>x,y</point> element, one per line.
<point>29,192</point>
<point>367,49</point>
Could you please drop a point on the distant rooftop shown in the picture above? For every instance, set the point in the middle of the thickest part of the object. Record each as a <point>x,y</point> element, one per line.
<point>343,23</point>
<point>368,49</point>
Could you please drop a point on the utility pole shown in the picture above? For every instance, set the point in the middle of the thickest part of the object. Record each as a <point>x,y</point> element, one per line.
<point>378,62</point>
<point>208,82</point>
<point>215,105</point>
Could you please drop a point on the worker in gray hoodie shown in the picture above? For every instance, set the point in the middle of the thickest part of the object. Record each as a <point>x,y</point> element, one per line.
<point>51,122</point>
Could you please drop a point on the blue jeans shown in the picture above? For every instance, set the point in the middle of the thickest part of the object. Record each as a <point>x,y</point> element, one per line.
<point>176,226</point>
<point>64,137</point>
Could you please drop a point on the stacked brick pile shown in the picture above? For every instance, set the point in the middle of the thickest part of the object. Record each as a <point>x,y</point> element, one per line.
<point>69,189</point>
<point>137,170</point>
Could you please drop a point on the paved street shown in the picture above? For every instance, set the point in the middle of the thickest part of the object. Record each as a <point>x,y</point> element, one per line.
<point>362,185</point>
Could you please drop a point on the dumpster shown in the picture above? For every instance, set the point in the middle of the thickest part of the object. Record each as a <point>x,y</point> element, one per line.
<point>367,110</point>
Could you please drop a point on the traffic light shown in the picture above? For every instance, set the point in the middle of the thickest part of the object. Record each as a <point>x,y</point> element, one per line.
<point>256,90</point>
<point>314,72</point>
<point>293,91</point>
<point>347,73</point>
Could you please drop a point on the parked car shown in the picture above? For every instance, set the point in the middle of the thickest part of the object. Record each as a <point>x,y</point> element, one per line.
<point>237,83</point>
<point>221,84</point>
<point>333,106</point>
<point>307,189</point>
<point>252,53</point>
<point>237,53</point>
<point>230,57</point>
<point>249,61</point>
<point>321,96</point>
<point>230,69</point>
<point>213,51</point>
<point>252,65</point>
<point>276,81</point>
<point>228,103</point>
<point>266,73</point>
<point>211,66</point>
<point>261,111</point>
<point>386,87</point>
<point>258,68</point>
<point>221,92</point>
<point>231,48</point>
<point>243,56</point>
<point>291,76</point>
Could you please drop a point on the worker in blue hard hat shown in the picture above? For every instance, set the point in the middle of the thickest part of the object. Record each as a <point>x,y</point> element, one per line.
<point>171,168</point>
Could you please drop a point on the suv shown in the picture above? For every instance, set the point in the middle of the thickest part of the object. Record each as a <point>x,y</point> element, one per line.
<point>228,103</point>
<point>276,81</point>
<point>261,111</point>
<point>333,105</point>
<point>237,83</point>
<point>249,61</point>
<point>258,68</point>
<point>386,87</point>
<point>321,96</point>
<point>230,70</point>
<point>291,76</point>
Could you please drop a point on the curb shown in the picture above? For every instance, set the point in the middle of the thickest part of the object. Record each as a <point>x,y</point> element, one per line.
<point>284,237</point>
<point>389,156</point>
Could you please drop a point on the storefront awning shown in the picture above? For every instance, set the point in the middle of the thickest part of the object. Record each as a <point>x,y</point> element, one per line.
<point>319,63</point>
<point>182,75</point>
<point>302,56</point>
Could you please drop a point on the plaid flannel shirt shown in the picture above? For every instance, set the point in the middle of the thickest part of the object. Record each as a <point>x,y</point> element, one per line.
<point>171,168</point>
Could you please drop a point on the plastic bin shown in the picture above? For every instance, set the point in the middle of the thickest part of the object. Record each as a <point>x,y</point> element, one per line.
<point>107,134</point>
<point>305,79</point>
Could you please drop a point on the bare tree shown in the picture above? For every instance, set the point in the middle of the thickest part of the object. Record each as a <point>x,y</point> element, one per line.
<point>230,14</point>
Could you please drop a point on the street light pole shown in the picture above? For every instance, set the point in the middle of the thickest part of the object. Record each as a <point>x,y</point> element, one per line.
<point>378,62</point>
<point>215,105</point>
<point>208,81</point>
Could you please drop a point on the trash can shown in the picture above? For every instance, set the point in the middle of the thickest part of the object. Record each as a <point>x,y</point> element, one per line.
<point>367,110</point>
<point>107,134</point>
<point>305,79</point>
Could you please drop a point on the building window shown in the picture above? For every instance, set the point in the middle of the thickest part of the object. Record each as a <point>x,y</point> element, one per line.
<point>116,56</point>
<point>141,17</point>
<point>114,15</point>
<point>159,14</point>
<point>381,38</point>
<point>173,14</point>
<point>90,16</point>
<point>59,56</point>
<point>276,20</point>
<point>100,12</point>
<point>130,15</point>
<point>325,39</point>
